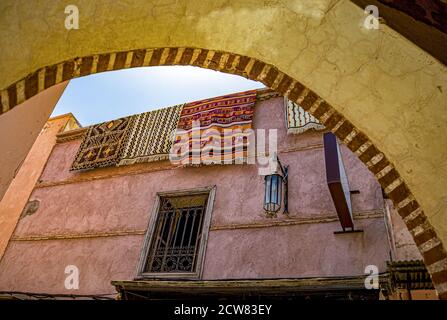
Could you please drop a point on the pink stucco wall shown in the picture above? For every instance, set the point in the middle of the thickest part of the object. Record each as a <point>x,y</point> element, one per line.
<point>243,242</point>
<point>19,129</point>
<point>17,195</point>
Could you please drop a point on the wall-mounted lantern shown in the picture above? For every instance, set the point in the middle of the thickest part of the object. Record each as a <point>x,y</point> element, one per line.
<point>273,190</point>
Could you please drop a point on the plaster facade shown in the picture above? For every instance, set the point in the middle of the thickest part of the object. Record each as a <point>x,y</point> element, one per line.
<point>17,195</point>
<point>20,128</point>
<point>97,219</point>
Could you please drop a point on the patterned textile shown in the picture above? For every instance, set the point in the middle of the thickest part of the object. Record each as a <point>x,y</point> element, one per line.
<point>298,120</point>
<point>150,136</point>
<point>101,145</point>
<point>223,134</point>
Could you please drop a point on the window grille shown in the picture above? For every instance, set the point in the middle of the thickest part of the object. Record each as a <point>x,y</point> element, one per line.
<point>178,234</point>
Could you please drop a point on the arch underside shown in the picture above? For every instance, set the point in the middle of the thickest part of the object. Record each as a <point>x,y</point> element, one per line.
<point>352,130</point>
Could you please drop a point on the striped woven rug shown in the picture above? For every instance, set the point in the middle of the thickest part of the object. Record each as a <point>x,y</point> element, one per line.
<point>144,137</point>
<point>298,120</point>
<point>150,136</point>
<point>222,137</point>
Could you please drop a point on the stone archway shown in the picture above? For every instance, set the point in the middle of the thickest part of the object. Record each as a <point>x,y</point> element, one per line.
<point>357,128</point>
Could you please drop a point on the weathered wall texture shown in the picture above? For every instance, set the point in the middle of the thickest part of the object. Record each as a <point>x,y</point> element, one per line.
<point>402,244</point>
<point>20,189</point>
<point>18,131</point>
<point>96,220</point>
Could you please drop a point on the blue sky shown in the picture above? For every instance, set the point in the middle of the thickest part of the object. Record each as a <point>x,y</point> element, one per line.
<point>110,95</point>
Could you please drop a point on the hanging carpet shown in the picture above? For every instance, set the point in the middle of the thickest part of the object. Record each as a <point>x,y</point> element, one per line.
<point>298,120</point>
<point>215,131</point>
<point>150,136</point>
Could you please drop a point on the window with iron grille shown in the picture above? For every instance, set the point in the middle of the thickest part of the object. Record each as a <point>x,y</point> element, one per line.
<point>176,237</point>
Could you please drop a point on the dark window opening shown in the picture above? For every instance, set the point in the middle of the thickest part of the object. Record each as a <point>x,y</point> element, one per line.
<point>177,234</point>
